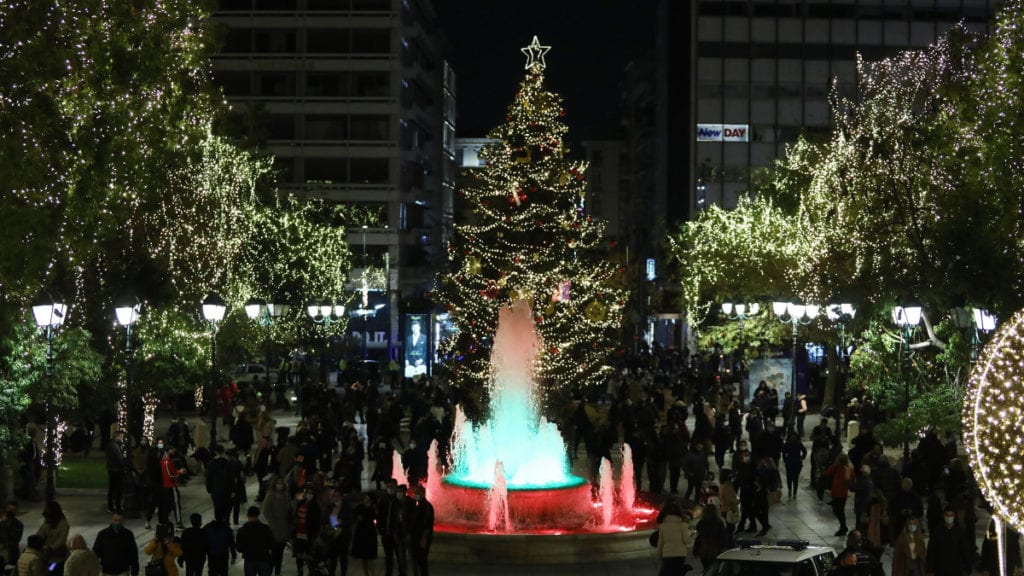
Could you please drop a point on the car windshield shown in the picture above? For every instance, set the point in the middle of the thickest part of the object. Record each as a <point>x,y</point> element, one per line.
<point>758,568</point>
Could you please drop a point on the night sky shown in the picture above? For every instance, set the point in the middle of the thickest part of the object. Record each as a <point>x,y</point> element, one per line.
<point>591,42</point>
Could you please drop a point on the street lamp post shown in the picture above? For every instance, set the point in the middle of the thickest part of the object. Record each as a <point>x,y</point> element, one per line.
<point>741,312</point>
<point>213,309</point>
<point>795,314</point>
<point>976,320</point>
<point>325,314</point>
<point>49,314</point>
<point>840,313</point>
<point>127,313</point>
<point>907,316</point>
<point>265,314</point>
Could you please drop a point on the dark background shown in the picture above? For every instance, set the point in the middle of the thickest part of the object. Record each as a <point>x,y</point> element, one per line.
<point>591,42</point>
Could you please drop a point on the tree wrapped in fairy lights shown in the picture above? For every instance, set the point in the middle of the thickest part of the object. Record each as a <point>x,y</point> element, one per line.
<point>530,239</point>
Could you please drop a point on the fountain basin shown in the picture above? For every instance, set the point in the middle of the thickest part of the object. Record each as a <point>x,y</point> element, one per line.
<point>539,549</point>
<point>557,508</point>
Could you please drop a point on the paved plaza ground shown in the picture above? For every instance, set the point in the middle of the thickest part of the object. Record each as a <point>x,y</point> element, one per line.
<point>803,518</point>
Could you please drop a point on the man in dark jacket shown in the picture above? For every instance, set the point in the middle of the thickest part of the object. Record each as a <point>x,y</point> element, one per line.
<point>221,542</point>
<point>391,524</point>
<point>194,547</point>
<point>11,532</point>
<point>949,548</point>
<point>219,483</point>
<point>255,541</point>
<point>117,468</point>
<point>115,547</point>
<point>421,531</point>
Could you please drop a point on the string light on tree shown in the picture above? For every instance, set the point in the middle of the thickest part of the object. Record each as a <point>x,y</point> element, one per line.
<point>530,239</point>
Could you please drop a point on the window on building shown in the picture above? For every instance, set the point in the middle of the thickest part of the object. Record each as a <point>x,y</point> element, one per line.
<point>369,127</point>
<point>274,41</point>
<point>234,5</point>
<point>327,41</point>
<point>326,169</point>
<point>284,167</point>
<point>371,5</point>
<point>326,127</point>
<point>237,40</point>
<point>371,41</point>
<point>281,127</point>
<point>275,84</point>
<point>369,170</point>
<point>370,84</point>
<point>234,82</point>
<point>277,5</point>
<point>327,84</point>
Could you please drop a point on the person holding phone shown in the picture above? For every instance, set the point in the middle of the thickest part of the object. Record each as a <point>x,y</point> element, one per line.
<point>165,549</point>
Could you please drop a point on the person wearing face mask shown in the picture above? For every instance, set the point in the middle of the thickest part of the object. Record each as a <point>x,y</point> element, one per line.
<point>909,550</point>
<point>949,548</point>
<point>277,514</point>
<point>115,546</point>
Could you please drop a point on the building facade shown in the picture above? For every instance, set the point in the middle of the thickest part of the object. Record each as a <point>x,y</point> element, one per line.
<point>761,72</point>
<point>355,101</point>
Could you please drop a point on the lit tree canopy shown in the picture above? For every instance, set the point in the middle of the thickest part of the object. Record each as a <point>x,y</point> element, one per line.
<point>113,179</point>
<point>918,192</point>
<point>531,240</point>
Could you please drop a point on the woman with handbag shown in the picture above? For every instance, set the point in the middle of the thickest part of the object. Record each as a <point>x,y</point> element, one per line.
<point>163,552</point>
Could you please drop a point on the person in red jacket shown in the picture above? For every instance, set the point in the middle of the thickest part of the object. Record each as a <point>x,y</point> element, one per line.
<point>170,498</point>
<point>841,474</point>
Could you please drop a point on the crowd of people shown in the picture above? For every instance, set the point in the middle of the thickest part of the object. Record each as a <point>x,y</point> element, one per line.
<point>324,488</point>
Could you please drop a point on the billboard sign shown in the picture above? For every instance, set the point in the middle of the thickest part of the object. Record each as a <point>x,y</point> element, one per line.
<point>723,132</point>
<point>417,345</point>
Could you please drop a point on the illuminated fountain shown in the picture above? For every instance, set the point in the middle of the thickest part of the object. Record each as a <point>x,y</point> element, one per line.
<point>510,475</point>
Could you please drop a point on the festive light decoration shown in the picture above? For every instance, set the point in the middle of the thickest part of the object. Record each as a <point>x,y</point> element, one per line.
<point>993,419</point>
<point>535,56</point>
<point>530,239</point>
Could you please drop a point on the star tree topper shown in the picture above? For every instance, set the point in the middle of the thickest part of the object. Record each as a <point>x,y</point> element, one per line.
<point>535,54</point>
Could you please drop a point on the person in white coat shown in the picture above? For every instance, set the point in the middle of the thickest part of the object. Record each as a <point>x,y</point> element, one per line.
<point>675,538</point>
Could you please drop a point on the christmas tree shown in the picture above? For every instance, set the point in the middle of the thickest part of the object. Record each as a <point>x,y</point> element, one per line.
<point>531,240</point>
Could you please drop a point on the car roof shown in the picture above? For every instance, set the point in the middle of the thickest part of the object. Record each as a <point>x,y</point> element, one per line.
<point>779,551</point>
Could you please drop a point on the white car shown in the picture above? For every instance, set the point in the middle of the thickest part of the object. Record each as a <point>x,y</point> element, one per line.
<point>249,373</point>
<point>773,558</point>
